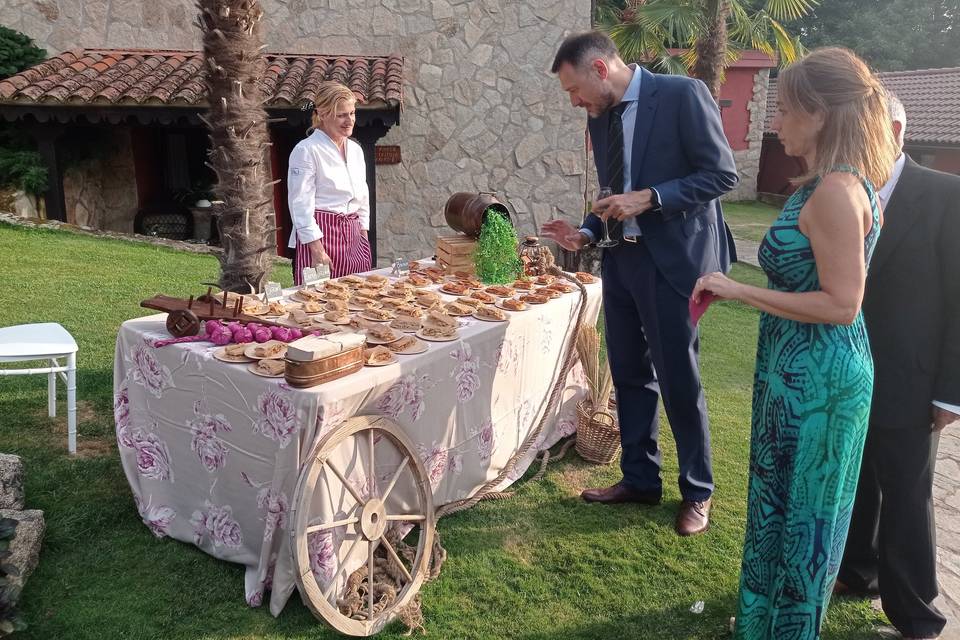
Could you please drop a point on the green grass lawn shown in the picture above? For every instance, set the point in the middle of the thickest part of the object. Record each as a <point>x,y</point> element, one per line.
<point>543,565</point>
<point>749,220</point>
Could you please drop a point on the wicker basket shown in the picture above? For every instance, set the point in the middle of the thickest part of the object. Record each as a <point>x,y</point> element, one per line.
<point>310,374</point>
<point>598,433</point>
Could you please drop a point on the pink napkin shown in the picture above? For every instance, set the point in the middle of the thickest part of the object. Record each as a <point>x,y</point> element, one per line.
<point>697,309</point>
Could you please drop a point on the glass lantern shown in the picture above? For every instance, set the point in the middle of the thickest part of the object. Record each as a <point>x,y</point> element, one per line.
<point>536,258</point>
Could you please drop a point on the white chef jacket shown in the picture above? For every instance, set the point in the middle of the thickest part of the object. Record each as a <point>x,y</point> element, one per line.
<point>318,178</point>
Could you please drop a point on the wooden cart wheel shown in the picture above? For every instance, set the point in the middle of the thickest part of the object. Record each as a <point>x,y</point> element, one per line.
<point>183,322</point>
<point>340,465</point>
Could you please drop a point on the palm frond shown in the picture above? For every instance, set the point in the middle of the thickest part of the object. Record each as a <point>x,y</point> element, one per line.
<point>673,64</point>
<point>680,22</point>
<point>636,43</point>
<point>786,10</point>
<point>785,43</point>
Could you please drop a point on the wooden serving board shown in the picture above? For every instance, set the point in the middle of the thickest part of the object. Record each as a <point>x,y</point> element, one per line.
<point>184,316</point>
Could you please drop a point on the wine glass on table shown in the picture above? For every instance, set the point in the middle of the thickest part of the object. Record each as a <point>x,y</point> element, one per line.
<point>607,241</point>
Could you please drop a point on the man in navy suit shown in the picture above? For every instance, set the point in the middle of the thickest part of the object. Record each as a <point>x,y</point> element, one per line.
<point>658,143</point>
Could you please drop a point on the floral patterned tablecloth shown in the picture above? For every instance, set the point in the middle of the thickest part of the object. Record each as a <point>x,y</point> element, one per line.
<point>212,452</point>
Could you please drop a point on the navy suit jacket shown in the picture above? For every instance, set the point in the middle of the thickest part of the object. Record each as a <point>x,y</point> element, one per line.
<point>680,150</point>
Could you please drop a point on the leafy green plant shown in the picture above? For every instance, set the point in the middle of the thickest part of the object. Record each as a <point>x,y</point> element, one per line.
<point>496,258</point>
<point>22,169</point>
<point>17,52</point>
<point>9,594</point>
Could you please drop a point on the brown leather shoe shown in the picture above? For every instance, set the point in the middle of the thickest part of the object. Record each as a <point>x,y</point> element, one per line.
<point>693,518</point>
<point>619,493</point>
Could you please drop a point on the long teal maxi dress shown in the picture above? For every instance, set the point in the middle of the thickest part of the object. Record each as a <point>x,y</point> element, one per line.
<point>811,403</point>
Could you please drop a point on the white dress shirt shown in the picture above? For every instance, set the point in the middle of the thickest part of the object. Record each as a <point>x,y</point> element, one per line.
<point>884,194</point>
<point>631,97</point>
<point>318,178</point>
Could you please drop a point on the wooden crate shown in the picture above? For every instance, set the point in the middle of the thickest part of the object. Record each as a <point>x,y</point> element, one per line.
<point>455,253</point>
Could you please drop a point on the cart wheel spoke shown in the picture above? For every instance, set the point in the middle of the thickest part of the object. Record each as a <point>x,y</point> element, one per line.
<point>396,476</point>
<point>372,468</point>
<point>313,528</point>
<point>356,496</point>
<point>407,517</point>
<point>343,565</point>
<point>396,558</point>
<point>370,575</point>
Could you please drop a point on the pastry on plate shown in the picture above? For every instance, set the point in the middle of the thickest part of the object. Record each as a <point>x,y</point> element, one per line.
<point>378,355</point>
<point>271,368</point>
<point>562,287</point>
<point>523,284</point>
<point>585,278</point>
<point>501,291</point>
<point>546,279</point>
<point>336,304</point>
<point>483,296</point>
<point>276,309</point>
<point>534,298</point>
<point>337,294</point>
<point>471,302</point>
<point>377,314</point>
<point>312,306</point>
<point>337,316</point>
<point>490,313</point>
<point>350,280</point>
<point>402,344</point>
<point>513,304</point>
<point>440,319</point>
<point>418,280</point>
<point>235,350</point>
<point>409,310</point>
<point>458,309</point>
<point>405,323</point>
<point>381,333</point>
<point>377,279</point>
<point>454,288</point>
<point>428,299</point>
<point>269,349</point>
<point>437,331</point>
<point>308,294</point>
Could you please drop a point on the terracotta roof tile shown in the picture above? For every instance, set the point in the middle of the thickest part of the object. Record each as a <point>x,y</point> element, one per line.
<point>931,98</point>
<point>125,77</point>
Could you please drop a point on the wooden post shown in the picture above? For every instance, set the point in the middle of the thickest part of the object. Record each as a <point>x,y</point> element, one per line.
<point>367,136</point>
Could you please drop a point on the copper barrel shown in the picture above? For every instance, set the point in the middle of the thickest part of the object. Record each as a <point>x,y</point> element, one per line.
<point>465,212</point>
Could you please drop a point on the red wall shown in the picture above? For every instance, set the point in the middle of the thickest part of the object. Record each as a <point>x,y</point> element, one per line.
<point>738,88</point>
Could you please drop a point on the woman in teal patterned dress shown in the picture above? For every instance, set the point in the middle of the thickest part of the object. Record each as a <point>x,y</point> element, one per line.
<point>814,371</point>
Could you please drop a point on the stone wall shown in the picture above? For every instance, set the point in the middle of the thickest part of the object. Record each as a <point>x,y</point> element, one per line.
<point>482,111</point>
<point>101,191</point>
<point>748,160</point>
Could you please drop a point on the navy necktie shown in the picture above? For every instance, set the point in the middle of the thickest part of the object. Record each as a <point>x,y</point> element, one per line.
<point>615,160</point>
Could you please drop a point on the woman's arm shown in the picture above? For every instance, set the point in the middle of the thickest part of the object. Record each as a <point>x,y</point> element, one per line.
<point>833,221</point>
<point>301,193</point>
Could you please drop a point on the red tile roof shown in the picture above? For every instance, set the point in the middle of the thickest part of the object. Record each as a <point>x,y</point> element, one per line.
<point>175,78</point>
<point>931,98</point>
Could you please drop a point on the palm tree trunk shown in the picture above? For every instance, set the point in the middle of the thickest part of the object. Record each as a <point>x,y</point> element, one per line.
<point>232,43</point>
<point>712,47</point>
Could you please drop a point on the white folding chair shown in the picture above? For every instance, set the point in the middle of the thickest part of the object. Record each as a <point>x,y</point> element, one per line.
<point>45,341</point>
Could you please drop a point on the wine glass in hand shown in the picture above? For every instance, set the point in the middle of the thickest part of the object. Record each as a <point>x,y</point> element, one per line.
<point>607,241</point>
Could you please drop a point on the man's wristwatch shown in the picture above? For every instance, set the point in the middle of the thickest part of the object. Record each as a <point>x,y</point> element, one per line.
<point>655,204</point>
